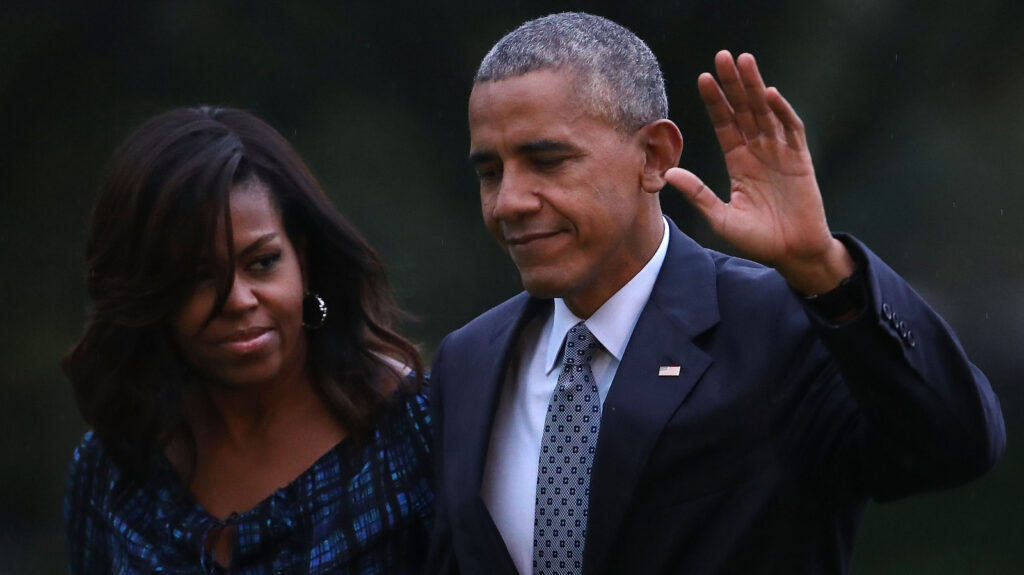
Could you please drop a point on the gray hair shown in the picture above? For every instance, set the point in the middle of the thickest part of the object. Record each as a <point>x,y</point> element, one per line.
<point>617,76</point>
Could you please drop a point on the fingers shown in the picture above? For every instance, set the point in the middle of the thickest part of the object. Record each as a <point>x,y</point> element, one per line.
<point>754,87</point>
<point>740,106</point>
<point>736,92</point>
<point>694,190</point>
<point>796,138</point>
<point>720,112</point>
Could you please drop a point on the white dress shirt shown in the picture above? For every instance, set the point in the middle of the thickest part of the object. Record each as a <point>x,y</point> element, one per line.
<point>509,487</point>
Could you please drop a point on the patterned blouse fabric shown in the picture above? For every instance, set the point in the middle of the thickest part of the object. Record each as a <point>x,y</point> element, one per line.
<point>355,510</point>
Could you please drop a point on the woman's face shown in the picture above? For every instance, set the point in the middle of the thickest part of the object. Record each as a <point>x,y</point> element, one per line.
<point>257,338</point>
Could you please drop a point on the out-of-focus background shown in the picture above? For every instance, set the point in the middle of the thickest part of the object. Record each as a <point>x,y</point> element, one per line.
<point>915,113</point>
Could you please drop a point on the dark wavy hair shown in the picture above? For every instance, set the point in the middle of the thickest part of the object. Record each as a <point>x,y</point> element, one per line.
<point>164,194</point>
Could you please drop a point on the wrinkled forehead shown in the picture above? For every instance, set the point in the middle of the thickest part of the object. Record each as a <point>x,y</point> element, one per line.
<point>533,103</point>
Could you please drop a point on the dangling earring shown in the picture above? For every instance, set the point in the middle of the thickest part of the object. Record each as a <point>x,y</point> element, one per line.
<point>314,311</point>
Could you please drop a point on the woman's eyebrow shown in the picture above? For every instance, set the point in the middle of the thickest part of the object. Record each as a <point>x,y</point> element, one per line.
<point>258,243</point>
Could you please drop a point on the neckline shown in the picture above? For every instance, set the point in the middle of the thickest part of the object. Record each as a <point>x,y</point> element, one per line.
<point>179,492</point>
<point>166,476</point>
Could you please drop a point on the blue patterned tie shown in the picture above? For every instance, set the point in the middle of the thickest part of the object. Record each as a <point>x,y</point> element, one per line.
<point>566,456</point>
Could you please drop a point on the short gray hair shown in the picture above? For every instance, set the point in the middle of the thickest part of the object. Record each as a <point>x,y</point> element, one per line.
<point>617,75</point>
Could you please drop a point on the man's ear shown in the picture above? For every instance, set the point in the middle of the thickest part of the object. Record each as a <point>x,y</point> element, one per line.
<point>663,145</point>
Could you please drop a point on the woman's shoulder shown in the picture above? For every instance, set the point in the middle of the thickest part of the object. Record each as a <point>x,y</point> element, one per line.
<point>406,413</point>
<point>91,479</point>
<point>412,396</point>
<point>91,471</point>
<point>89,457</point>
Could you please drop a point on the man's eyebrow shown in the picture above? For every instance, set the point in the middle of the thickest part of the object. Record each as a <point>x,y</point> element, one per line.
<point>260,242</point>
<point>476,158</point>
<point>545,146</point>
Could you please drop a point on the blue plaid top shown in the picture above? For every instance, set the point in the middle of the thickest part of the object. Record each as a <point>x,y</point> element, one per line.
<point>365,510</point>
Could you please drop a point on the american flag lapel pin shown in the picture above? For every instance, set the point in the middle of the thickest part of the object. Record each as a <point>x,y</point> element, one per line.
<point>668,371</point>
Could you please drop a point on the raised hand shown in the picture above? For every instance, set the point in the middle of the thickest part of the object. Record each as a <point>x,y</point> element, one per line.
<point>774,212</point>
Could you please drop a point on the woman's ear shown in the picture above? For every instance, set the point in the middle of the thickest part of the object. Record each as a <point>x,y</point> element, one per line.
<point>663,145</point>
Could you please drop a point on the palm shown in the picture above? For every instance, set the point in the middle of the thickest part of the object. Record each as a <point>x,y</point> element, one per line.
<point>774,212</point>
<point>774,205</point>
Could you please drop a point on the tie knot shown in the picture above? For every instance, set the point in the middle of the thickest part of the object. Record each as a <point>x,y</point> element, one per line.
<point>579,345</point>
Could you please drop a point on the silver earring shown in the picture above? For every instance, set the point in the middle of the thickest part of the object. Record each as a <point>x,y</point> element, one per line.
<point>314,311</point>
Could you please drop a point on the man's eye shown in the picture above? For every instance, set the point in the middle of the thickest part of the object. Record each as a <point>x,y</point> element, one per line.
<point>548,163</point>
<point>488,174</point>
<point>264,262</point>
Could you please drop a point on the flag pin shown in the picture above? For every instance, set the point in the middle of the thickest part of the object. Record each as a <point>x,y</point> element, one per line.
<point>668,371</point>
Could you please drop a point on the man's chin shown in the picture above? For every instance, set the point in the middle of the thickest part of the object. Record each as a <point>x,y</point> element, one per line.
<point>542,286</point>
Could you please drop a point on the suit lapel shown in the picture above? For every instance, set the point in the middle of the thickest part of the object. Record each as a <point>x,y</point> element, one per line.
<point>481,377</point>
<point>683,305</point>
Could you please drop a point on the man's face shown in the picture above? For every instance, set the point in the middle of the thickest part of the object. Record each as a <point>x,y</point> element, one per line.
<point>560,188</point>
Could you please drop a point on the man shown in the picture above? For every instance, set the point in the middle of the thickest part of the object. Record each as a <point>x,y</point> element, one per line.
<point>650,406</point>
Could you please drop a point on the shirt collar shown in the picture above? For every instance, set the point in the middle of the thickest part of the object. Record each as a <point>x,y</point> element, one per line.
<point>612,324</point>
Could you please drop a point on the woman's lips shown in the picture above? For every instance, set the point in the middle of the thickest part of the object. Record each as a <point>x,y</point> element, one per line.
<point>247,340</point>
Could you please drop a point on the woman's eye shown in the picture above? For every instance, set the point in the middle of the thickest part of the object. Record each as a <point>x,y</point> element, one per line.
<point>264,262</point>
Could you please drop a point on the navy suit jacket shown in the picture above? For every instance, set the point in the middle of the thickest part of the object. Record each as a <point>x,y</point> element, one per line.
<point>760,456</point>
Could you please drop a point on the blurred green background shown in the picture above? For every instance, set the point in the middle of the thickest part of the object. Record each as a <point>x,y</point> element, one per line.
<point>915,113</point>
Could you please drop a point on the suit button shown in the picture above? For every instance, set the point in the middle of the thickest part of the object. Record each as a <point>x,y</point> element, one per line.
<point>886,311</point>
<point>909,338</point>
<point>894,319</point>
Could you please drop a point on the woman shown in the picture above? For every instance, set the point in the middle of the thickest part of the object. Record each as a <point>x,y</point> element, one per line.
<point>252,410</point>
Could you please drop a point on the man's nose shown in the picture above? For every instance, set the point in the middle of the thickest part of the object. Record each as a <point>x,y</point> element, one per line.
<point>517,195</point>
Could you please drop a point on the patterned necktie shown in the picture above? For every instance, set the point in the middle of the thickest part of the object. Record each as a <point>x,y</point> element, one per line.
<point>566,457</point>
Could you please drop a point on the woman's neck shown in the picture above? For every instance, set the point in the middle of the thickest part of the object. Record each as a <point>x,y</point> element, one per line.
<point>244,415</point>
<point>249,442</point>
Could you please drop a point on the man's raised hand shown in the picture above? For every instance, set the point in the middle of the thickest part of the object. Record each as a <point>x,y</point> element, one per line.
<point>774,212</point>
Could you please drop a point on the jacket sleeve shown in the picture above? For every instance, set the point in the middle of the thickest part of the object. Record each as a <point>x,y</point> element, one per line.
<point>922,416</point>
